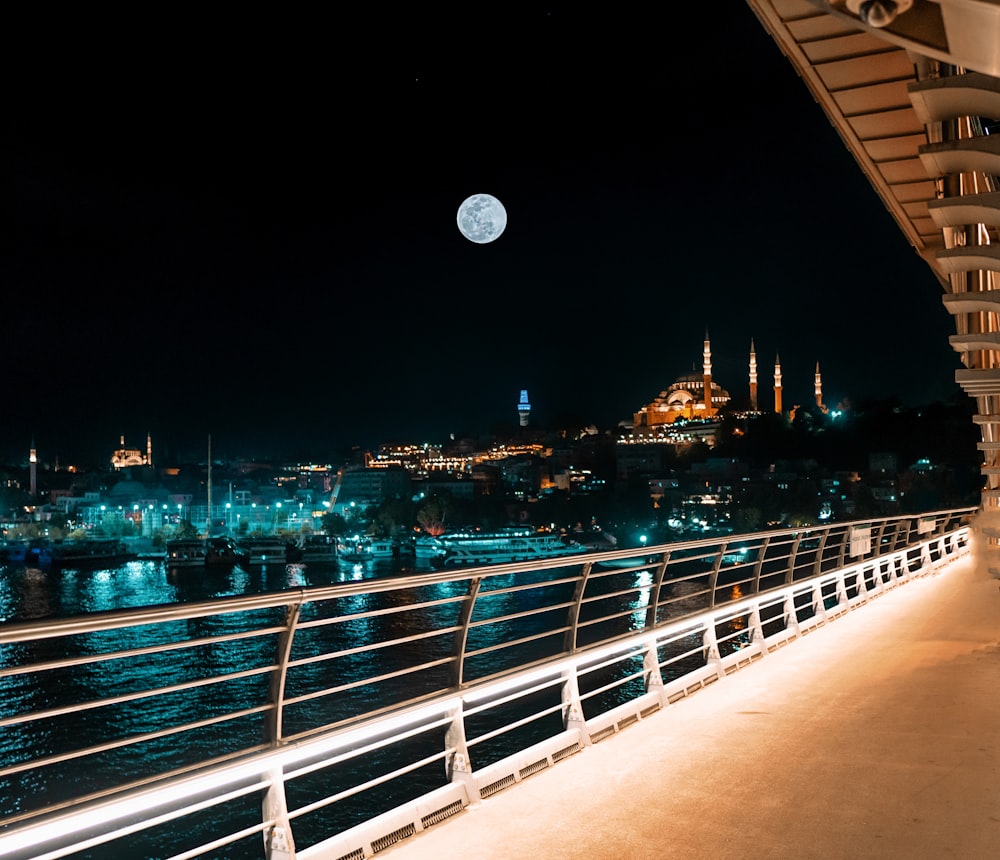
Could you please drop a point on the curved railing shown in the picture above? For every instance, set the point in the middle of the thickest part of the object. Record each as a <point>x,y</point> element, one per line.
<point>354,715</point>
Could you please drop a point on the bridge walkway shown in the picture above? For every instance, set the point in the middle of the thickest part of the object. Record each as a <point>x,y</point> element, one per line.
<point>876,735</point>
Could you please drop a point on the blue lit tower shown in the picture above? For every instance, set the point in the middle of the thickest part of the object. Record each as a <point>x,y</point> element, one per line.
<point>523,408</point>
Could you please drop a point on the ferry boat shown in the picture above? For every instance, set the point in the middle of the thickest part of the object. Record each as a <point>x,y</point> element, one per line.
<point>470,549</point>
<point>88,552</point>
<point>36,554</point>
<point>45,554</point>
<point>266,549</point>
<point>427,548</point>
<point>195,552</point>
<point>316,548</point>
<point>354,549</point>
<point>381,548</point>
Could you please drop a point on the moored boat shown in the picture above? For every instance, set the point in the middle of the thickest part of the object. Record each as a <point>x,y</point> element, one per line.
<point>470,549</point>
<point>88,552</point>
<point>354,549</point>
<point>198,552</point>
<point>382,548</point>
<point>185,552</point>
<point>428,548</point>
<point>266,550</point>
<point>225,552</point>
<point>316,548</point>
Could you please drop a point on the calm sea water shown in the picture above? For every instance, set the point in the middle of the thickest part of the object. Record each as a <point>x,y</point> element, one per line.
<point>28,594</point>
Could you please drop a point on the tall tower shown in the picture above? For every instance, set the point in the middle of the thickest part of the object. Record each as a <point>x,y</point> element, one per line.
<point>149,449</point>
<point>753,377</point>
<point>707,365</point>
<point>777,384</point>
<point>33,465</point>
<point>523,408</point>
<point>819,388</point>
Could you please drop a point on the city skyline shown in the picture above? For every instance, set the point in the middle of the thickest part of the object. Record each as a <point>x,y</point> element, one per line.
<point>280,266</point>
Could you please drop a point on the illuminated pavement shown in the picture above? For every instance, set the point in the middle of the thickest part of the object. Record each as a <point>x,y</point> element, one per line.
<point>875,736</point>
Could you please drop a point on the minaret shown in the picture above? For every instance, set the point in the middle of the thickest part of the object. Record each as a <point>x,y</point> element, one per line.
<point>753,377</point>
<point>819,388</point>
<point>777,384</point>
<point>33,461</point>
<point>149,449</point>
<point>523,408</point>
<point>707,364</point>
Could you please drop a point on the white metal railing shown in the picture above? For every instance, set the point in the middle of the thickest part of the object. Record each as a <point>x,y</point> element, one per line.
<point>334,721</point>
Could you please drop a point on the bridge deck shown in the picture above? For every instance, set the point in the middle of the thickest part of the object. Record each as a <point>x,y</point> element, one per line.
<point>877,735</point>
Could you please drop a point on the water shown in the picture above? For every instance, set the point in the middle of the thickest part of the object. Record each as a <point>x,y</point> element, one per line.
<point>30,594</point>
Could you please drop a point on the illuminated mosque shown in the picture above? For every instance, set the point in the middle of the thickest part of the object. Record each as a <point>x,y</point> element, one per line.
<point>124,457</point>
<point>696,396</point>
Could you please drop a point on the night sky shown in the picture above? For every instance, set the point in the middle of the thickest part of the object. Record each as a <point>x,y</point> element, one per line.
<point>255,237</point>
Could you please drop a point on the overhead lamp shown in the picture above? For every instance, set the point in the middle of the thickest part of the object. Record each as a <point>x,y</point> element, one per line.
<point>878,13</point>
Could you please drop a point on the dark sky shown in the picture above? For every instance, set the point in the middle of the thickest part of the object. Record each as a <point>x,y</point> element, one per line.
<point>252,234</point>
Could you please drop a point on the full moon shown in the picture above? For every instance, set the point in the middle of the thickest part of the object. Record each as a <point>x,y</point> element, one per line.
<point>481,218</point>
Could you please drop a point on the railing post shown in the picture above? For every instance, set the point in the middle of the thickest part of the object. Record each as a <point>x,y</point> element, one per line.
<point>651,671</point>
<point>759,565</point>
<point>842,600</point>
<point>818,564</point>
<point>573,613</point>
<point>756,625</point>
<point>792,554</point>
<point>710,644</point>
<point>572,707</point>
<point>462,634</point>
<point>791,615</point>
<point>819,604</point>
<point>925,556</point>
<point>458,765</point>
<point>279,844</point>
<point>714,576</point>
<point>278,841</point>
<point>862,586</point>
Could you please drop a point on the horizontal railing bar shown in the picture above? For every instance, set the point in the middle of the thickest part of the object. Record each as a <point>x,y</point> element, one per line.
<point>524,640</point>
<point>201,850</point>
<point>613,685</point>
<point>367,681</point>
<point>519,693</point>
<point>153,692</point>
<point>374,646</point>
<point>132,740</point>
<point>174,814</point>
<point>69,662</point>
<point>509,727</point>
<point>378,613</point>
<point>513,616</point>
<point>365,786</point>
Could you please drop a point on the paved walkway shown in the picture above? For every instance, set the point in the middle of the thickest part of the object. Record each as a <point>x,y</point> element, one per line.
<point>876,736</point>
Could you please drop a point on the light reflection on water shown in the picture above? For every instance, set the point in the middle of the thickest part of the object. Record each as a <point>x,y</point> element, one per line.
<point>28,594</point>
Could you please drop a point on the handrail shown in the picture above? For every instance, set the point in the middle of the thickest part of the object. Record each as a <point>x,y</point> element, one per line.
<point>247,700</point>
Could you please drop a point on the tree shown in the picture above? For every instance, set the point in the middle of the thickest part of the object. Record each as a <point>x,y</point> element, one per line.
<point>334,524</point>
<point>433,513</point>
